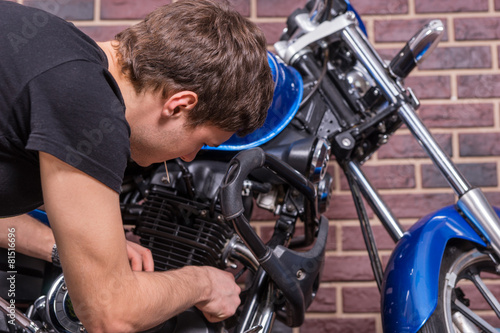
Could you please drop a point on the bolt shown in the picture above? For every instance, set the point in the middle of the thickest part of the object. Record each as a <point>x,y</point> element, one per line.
<point>346,142</point>
<point>300,275</point>
<point>64,288</point>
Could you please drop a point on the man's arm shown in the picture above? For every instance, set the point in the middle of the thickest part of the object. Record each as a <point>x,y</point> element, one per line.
<point>33,238</point>
<point>107,295</point>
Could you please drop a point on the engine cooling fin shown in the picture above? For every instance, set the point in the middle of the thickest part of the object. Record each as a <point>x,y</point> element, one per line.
<point>181,232</point>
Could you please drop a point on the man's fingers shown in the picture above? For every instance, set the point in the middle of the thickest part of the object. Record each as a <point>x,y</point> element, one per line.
<point>140,258</point>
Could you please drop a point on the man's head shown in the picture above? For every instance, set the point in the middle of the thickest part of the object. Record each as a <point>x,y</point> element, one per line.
<point>209,49</point>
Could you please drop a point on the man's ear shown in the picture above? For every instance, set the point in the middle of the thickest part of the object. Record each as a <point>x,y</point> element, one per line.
<point>182,100</point>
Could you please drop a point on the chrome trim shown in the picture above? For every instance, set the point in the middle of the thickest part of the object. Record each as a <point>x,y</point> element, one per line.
<point>477,208</point>
<point>20,318</point>
<point>425,41</point>
<point>305,23</point>
<point>327,29</point>
<point>319,160</point>
<point>235,249</point>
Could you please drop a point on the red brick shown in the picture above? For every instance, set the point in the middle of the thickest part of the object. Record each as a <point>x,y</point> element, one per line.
<point>241,6</point>
<point>430,87</point>
<point>478,174</point>
<point>457,115</point>
<point>347,268</point>
<point>493,198</point>
<point>272,31</point>
<point>458,58</point>
<point>417,205</point>
<point>67,9</point>
<point>128,9</point>
<point>360,299</point>
<point>342,207</point>
<point>388,31</point>
<point>387,176</point>
<point>352,238</point>
<point>283,8</point>
<point>479,144</point>
<point>102,34</point>
<point>439,6</point>
<point>325,300</point>
<point>387,54</point>
<point>478,86</point>
<point>381,7</point>
<point>486,28</point>
<point>498,52</point>
<point>333,325</point>
<point>406,146</point>
<point>259,214</point>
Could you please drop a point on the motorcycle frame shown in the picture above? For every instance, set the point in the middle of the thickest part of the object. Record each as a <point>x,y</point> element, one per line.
<point>472,219</point>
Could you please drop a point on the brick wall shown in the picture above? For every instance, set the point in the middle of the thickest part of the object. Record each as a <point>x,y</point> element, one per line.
<point>459,87</point>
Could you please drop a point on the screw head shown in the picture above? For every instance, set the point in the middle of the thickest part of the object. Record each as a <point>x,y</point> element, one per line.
<point>300,274</point>
<point>346,142</point>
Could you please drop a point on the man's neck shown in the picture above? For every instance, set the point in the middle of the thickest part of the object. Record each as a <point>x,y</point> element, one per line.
<point>111,54</point>
<point>114,68</point>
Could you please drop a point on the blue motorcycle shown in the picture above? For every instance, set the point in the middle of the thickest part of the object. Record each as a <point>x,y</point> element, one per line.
<point>334,96</point>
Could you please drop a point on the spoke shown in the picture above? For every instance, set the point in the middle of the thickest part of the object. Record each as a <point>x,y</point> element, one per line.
<point>487,294</point>
<point>478,321</point>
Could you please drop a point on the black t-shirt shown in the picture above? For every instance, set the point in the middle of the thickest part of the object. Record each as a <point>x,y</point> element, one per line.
<point>56,96</point>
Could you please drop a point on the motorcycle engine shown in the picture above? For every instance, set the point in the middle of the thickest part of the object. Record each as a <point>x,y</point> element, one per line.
<point>182,224</point>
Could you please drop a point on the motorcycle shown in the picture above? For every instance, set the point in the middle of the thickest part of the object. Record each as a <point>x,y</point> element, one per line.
<point>334,96</point>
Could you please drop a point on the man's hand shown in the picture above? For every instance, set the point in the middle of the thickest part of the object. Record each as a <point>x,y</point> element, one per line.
<point>139,257</point>
<point>222,298</point>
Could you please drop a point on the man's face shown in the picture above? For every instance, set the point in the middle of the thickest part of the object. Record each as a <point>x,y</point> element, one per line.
<point>176,140</point>
<point>197,137</point>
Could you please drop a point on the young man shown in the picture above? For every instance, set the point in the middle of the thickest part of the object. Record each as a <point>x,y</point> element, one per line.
<point>72,112</point>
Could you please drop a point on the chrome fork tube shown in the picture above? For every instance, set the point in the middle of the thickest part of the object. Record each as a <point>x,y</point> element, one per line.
<point>454,177</point>
<point>471,201</point>
<point>372,62</point>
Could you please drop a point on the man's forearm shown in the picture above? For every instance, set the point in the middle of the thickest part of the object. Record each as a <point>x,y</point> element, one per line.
<point>143,300</point>
<point>107,295</point>
<point>33,238</point>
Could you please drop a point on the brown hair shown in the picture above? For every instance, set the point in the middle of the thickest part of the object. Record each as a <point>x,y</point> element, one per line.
<point>207,48</point>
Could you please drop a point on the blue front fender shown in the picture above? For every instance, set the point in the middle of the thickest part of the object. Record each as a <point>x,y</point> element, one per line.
<point>410,289</point>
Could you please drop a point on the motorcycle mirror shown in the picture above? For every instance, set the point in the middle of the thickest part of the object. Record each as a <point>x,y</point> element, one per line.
<point>417,49</point>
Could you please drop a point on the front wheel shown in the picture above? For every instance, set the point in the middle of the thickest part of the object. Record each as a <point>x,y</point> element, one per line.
<point>467,302</point>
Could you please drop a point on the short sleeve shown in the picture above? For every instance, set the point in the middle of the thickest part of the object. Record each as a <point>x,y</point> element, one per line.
<point>78,116</point>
